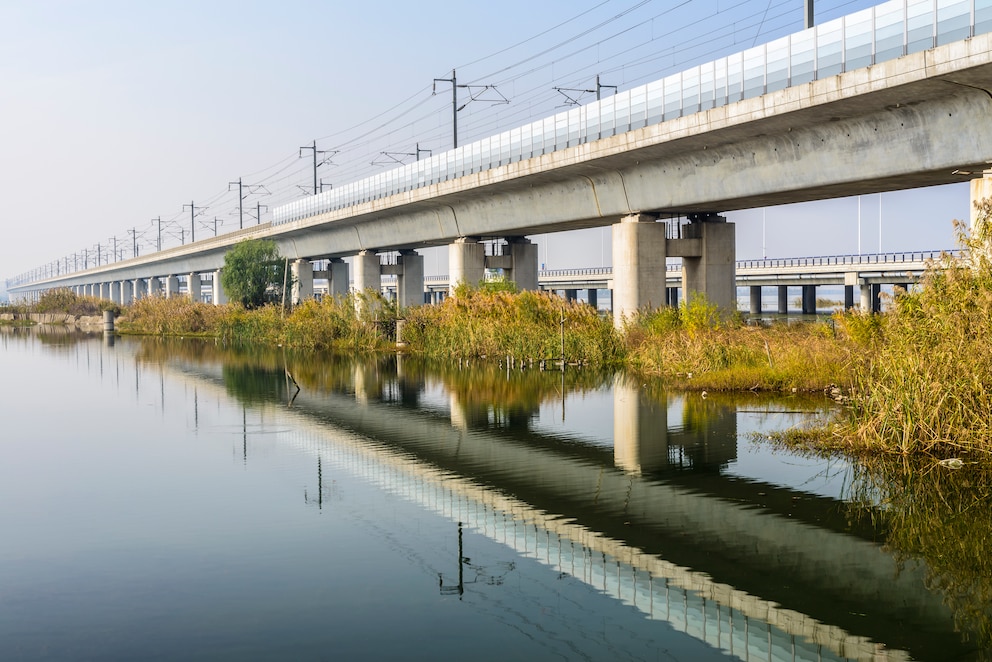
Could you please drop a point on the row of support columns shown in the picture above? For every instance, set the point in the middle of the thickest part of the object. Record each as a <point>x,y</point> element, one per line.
<point>124,292</point>
<point>869,298</point>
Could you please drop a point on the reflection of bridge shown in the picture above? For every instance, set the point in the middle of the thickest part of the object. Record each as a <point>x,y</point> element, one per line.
<point>698,558</point>
<point>892,97</point>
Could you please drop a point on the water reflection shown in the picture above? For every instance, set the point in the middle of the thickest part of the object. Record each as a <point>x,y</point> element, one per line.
<point>651,508</point>
<point>649,519</point>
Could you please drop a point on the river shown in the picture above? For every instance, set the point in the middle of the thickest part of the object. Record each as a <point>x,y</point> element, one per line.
<point>168,500</point>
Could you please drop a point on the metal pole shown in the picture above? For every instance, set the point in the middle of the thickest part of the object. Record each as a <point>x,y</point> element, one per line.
<point>454,109</point>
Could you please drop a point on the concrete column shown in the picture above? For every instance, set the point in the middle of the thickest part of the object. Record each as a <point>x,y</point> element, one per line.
<point>594,298</point>
<point>218,294</point>
<point>154,286</point>
<point>171,287</point>
<point>755,300</point>
<point>876,301</point>
<point>865,298</point>
<point>368,272</point>
<point>302,272</point>
<point>640,429</point>
<point>980,190</point>
<point>714,272</point>
<point>783,299</point>
<point>194,287</point>
<point>639,272</point>
<point>525,263</point>
<point>138,288</point>
<point>337,278</point>
<point>571,295</point>
<point>848,297</point>
<point>127,292</point>
<point>410,280</point>
<point>466,263</point>
<point>115,291</point>
<point>809,299</point>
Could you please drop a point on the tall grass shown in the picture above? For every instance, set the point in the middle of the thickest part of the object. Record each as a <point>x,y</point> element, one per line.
<point>331,322</point>
<point>923,379</point>
<point>692,346</point>
<point>176,316</point>
<point>495,324</point>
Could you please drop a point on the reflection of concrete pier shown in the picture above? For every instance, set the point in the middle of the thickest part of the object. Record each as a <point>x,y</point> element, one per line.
<point>643,442</point>
<point>732,560</point>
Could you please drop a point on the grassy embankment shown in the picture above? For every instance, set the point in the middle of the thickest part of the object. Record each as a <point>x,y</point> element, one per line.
<point>60,301</point>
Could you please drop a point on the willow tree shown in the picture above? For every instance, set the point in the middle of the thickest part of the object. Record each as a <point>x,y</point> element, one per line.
<point>254,272</point>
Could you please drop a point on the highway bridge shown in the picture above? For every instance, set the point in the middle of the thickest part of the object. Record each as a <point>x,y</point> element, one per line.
<point>892,97</point>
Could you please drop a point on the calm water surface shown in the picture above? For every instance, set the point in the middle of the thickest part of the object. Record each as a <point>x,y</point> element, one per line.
<point>179,500</point>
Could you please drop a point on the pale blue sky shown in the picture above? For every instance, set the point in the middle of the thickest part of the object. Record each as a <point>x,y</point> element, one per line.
<point>118,112</point>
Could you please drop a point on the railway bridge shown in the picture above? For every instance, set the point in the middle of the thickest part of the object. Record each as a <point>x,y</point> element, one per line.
<point>892,97</point>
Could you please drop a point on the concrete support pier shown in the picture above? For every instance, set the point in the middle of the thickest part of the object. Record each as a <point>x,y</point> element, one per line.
<point>302,272</point>
<point>139,291</point>
<point>713,270</point>
<point>218,294</point>
<point>466,263</point>
<point>865,291</point>
<point>639,252</point>
<point>848,297</point>
<point>337,278</point>
<point>809,299</point>
<point>410,279</point>
<point>783,299</point>
<point>368,272</point>
<point>115,291</point>
<point>593,298</point>
<point>194,287</point>
<point>171,287</point>
<point>523,270</point>
<point>154,286</point>
<point>127,292</point>
<point>755,302</point>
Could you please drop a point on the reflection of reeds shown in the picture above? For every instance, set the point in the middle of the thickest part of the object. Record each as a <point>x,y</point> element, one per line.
<point>941,516</point>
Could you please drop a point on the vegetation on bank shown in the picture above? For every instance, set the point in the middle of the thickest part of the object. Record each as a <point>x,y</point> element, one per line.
<point>923,370</point>
<point>495,322</point>
<point>693,347</point>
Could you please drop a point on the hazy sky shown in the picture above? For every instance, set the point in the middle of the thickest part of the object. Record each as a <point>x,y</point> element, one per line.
<point>115,113</point>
